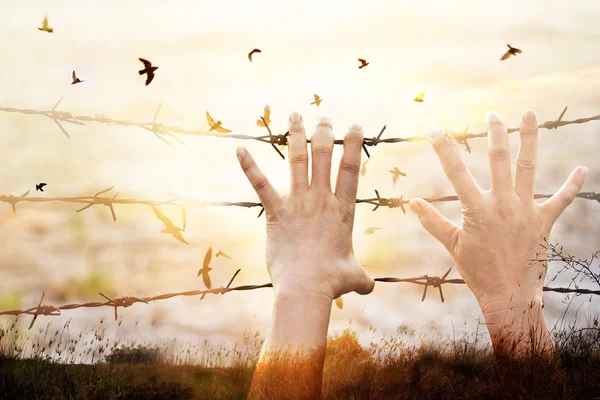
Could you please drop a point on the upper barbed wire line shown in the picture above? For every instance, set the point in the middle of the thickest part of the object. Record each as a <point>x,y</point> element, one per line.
<point>160,129</point>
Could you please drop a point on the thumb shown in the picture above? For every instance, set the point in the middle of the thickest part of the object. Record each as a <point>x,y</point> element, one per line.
<point>364,283</point>
<point>435,223</point>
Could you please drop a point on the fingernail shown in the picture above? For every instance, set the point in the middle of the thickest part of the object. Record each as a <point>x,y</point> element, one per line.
<point>324,121</point>
<point>241,153</point>
<point>583,171</point>
<point>295,117</point>
<point>415,206</point>
<point>295,123</point>
<point>528,116</point>
<point>356,128</point>
<point>436,136</point>
<point>493,117</point>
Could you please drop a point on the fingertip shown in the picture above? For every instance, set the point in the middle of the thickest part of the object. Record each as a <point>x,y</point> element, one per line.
<point>492,118</point>
<point>529,116</point>
<point>295,123</point>
<point>241,153</point>
<point>582,171</point>
<point>416,205</point>
<point>355,133</point>
<point>324,121</point>
<point>436,136</point>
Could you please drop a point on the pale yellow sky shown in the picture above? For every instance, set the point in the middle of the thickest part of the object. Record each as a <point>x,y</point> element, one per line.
<point>449,49</point>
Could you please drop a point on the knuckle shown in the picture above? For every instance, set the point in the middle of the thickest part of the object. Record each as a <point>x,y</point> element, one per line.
<point>352,168</point>
<point>321,150</point>
<point>248,166</point>
<point>526,164</point>
<point>300,158</point>
<point>499,153</point>
<point>260,184</point>
<point>456,170</point>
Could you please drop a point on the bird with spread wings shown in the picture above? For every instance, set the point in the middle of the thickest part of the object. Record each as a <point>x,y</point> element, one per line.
<point>267,117</point>
<point>317,101</point>
<point>45,27</point>
<point>206,269</point>
<point>171,229</point>
<point>215,126</point>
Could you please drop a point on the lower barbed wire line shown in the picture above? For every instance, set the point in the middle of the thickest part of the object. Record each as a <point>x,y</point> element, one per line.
<point>127,301</point>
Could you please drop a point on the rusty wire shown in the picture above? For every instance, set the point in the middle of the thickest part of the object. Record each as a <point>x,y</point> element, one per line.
<point>161,130</point>
<point>109,201</point>
<point>128,301</point>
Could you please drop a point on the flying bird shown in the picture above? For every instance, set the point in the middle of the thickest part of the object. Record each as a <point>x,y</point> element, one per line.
<point>317,101</point>
<point>222,254</point>
<point>170,229</point>
<point>396,172</point>
<point>252,52</point>
<point>206,269</point>
<point>75,79</point>
<point>40,187</point>
<point>339,303</point>
<point>267,117</point>
<point>216,126</point>
<point>512,51</point>
<point>371,230</point>
<point>363,63</point>
<point>148,70</point>
<point>363,168</point>
<point>419,98</point>
<point>45,27</point>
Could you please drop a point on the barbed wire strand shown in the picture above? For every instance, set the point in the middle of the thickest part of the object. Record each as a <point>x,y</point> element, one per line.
<point>160,130</point>
<point>109,201</point>
<point>127,301</point>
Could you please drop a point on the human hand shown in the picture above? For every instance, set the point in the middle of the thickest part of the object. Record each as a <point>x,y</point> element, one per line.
<point>309,231</point>
<point>503,228</point>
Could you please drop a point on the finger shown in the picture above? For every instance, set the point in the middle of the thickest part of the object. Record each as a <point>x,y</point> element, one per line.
<point>347,180</point>
<point>499,154</point>
<point>297,154</point>
<point>556,204</point>
<point>435,223</point>
<point>457,172</point>
<point>527,157</point>
<point>267,194</point>
<point>321,145</point>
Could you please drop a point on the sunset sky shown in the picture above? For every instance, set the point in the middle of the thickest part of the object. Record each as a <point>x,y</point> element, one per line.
<point>451,50</point>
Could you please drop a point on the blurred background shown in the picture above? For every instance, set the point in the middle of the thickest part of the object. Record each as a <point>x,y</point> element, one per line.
<point>449,50</point>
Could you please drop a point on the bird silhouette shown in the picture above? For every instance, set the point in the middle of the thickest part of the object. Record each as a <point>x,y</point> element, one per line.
<point>206,269</point>
<point>363,63</point>
<point>252,52</point>
<point>267,117</point>
<point>419,98</point>
<point>371,230</point>
<point>396,172</point>
<point>215,126</point>
<point>317,101</point>
<point>222,254</point>
<point>339,303</point>
<point>148,70</point>
<point>45,27</point>
<point>40,187</point>
<point>75,79</point>
<point>363,168</point>
<point>512,51</point>
<point>170,229</point>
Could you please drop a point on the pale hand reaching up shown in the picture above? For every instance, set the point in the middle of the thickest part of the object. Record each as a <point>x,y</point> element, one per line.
<point>503,230</point>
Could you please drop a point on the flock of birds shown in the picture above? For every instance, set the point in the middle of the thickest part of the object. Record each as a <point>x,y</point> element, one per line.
<point>170,229</point>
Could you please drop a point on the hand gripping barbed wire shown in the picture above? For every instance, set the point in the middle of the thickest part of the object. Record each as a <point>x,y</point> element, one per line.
<point>160,130</point>
<point>128,301</point>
